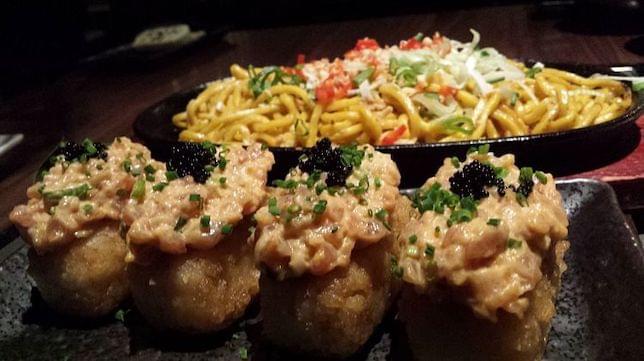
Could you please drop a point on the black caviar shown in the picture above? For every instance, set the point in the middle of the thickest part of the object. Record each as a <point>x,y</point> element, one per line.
<point>323,158</point>
<point>472,180</point>
<point>71,151</point>
<point>193,159</point>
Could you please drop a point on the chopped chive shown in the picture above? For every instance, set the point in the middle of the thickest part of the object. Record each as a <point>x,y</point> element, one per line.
<point>437,231</point>
<point>514,243</point>
<point>484,149</point>
<point>455,162</point>
<point>149,177</point>
<point>370,212</point>
<point>294,209</point>
<point>138,190</point>
<point>205,221</point>
<point>171,175</point>
<point>514,98</point>
<point>429,251</point>
<point>243,353</point>
<point>377,182</point>
<point>222,163</point>
<point>88,208</point>
<point>396,270</point>
<point>320,206</point>
<point>541,177</point>
<point>494,222</point>
<point>412,239</point>
<point>272,207</point>
<point>222,180</point>
<point>127,165</point>
<point>149,169</point>
<point>227,229</point>
<point>195,197</point>
<point>180,223</point>
<point>471,150</point>
<point>159,186</point>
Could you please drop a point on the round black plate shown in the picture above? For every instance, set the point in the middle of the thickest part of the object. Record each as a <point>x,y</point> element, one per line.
<point>561,153</point>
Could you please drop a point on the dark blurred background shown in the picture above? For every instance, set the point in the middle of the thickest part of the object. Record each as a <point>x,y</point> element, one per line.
<point>41,39</point>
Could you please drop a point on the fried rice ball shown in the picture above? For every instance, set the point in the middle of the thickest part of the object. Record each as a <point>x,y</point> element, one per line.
<point>333,315</point>
<point>438,328</point>
<point>199,291</point>
<point>85,277</point>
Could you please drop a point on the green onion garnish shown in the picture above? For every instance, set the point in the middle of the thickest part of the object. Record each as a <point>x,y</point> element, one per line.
<point>363,76</point>
<point>413,238</point>
<point>272,207</point>
<point>455,162</point>
<point>180,223</point>
<point>541,177</point>
<point>159,186</point>
<point>227,229</point>
<point>493,222</point>
<point>195,197</point>
<point>205,221</point>
<point>320,206</point>
<point>171,175</point>
<point>514,243</point>
<point>138,190</point>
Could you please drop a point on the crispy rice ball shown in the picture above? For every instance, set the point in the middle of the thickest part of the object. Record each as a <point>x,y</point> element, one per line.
<point>439,329</point>
<point>199,291</point>
<point>333,315</point>
<point>86,277</point>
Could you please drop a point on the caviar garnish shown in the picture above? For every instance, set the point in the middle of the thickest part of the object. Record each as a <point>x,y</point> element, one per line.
<point>526,184</point>
<point>472,180</point>
<point>70,151</point>
<point>338,162</point>
<point>192,159</point>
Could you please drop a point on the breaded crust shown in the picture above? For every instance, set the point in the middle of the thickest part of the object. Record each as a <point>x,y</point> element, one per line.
<point>440,329</point>
<point>200,291</point>
<point>333,315</point>
<point>85,278</point>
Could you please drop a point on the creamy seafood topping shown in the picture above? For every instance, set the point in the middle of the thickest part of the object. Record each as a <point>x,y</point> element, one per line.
<point>76,194</point>
<point>176,213</point>
<point>315,218</point>
<point>490,247</point>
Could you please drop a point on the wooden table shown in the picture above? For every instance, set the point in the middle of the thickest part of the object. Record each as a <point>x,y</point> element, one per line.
<point>101,102</point>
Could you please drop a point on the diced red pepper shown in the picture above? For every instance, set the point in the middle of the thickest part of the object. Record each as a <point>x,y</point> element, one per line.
<point>447,91</point>
<point>366,43</point>
<point>332,89</point>
<point>410,44</point>
<point>393,136</point>
<point>301,58</point>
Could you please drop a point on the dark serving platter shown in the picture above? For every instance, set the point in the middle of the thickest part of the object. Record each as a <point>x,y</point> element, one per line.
<point>562,153</point>
<point>599,309</point>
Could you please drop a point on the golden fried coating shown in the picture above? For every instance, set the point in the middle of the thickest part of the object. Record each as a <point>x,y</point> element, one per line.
<point>440,329</point>
<point>199,291</point>
<point>85,278</point>
<point>333,315</point>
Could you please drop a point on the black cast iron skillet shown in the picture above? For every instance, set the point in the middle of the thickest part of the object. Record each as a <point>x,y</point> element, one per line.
<point>562,153</point>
